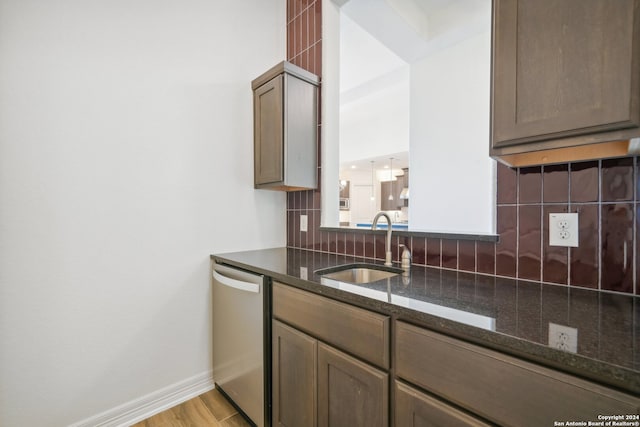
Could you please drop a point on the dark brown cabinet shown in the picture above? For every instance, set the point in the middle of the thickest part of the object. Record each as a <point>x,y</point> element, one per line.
<point>414,408</point>
<point>483,382</point>
<point>315,383</point>
<point>285,129</point>
<point>565,79</point>
<point>293,377</point>
<point>393,188</point>
<point>350,392</point>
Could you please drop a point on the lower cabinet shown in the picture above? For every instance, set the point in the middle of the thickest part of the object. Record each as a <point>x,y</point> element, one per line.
<point>294,380</point>
<point>350,392</point>
<point>331,364</point>
<point>502,389</point>
<point>314,384</point>
<point>414,408</point>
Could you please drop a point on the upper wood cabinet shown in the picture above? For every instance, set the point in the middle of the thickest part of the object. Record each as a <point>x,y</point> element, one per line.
<point>565,79</point>
<point>285,128</point>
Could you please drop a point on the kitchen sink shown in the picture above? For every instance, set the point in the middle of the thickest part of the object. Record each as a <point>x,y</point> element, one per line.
<point>359,273</point>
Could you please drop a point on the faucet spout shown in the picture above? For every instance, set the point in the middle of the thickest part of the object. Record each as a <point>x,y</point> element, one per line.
<point>387,245</point>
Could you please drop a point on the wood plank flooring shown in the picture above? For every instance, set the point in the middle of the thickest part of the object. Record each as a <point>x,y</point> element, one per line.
<point>208,409</point>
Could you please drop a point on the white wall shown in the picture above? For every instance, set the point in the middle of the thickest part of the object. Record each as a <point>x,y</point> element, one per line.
<point>125,160</point>
<point>376,124</point>
<point>450,139</point>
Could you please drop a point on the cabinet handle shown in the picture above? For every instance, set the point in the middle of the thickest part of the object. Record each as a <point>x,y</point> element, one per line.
<point>236,284</point>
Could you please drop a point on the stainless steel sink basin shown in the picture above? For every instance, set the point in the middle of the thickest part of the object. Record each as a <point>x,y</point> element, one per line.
<point>359,273</point>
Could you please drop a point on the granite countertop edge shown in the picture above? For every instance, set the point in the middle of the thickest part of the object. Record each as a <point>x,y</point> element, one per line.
<point>624,379</point>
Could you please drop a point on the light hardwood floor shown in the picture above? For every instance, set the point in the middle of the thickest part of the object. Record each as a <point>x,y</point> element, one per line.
<point>208,409</point>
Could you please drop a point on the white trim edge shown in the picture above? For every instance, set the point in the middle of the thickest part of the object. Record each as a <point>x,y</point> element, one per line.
<point>153,403</point>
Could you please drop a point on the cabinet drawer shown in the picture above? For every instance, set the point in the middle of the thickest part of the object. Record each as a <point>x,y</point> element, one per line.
<point>501,388</point>
<point>355,330</point>
<point>416,409</point>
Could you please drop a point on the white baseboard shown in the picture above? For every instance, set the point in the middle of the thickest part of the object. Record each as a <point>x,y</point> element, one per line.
<point>151,404</point>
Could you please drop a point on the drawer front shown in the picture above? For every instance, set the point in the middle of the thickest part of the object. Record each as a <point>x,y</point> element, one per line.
<point>416,409</point>
<point>501,388</point>
<point>352,329</point>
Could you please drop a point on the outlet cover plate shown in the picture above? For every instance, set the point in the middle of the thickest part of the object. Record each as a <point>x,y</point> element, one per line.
<point>303,223</point>
<point>563,229</point>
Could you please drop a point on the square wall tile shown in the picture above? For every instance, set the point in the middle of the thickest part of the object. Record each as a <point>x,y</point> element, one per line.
<point>529,242</point>
<point>555,262</point>
<point>617,179</point>
<point>449,253</point>
<point>324,241</point>
<point>506,248</point>
<point>290,226</point>
<point>584,182</point>
<point>584,258</point>
<point>467,255</point>
<point>358,244</point>
<point>419,250</point>
<point>332,240</point>
<point>486,257</point>
<point>530,185</point>
<point>434,258</point>
<point>617,247</point>
<point>507,184</point>
<point>340,243</point>
<point>555,179</point>
<point>380,251</point>
<point>369,246</point>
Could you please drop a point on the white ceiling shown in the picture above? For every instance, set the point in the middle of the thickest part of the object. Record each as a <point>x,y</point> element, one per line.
<point>384,35</point>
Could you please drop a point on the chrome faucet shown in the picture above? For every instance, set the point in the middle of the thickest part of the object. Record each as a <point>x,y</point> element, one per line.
<point>387,245</point>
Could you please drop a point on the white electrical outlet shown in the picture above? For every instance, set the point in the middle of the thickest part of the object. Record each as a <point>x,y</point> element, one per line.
<point>303,273</point>
<point>303,223</point>
<point>563,337</point>
<point>563,229</point>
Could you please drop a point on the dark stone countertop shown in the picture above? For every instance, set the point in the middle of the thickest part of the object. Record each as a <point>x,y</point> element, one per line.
<point>508,315</point>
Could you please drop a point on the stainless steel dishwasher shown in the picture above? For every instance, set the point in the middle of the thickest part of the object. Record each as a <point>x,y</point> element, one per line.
<point>241,355</point>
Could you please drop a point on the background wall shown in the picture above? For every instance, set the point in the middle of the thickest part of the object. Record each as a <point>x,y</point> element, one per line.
<point>125,160</point>
<point>449,133</point>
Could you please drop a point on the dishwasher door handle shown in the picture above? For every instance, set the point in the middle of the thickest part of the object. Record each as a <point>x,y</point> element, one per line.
<point>236,284</point>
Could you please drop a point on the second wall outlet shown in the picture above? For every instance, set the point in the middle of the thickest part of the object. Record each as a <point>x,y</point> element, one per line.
<point>303,223</point>
<point>563,229</point>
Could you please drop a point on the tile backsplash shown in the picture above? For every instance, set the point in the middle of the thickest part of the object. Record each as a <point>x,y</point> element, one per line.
<point>604,193</point>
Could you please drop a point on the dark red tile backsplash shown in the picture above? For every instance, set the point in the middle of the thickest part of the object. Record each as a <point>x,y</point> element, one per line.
<point>605,193</point>
<point>617,180</point>
<point>556,183</point>
<point>529,242</point>
<point>530,185</point>
<point>507,246</point>
<point>584,182</point>
<point>617,247</point>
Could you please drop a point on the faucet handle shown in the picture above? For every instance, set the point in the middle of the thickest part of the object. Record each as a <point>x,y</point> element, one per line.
<point>406,257</point>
